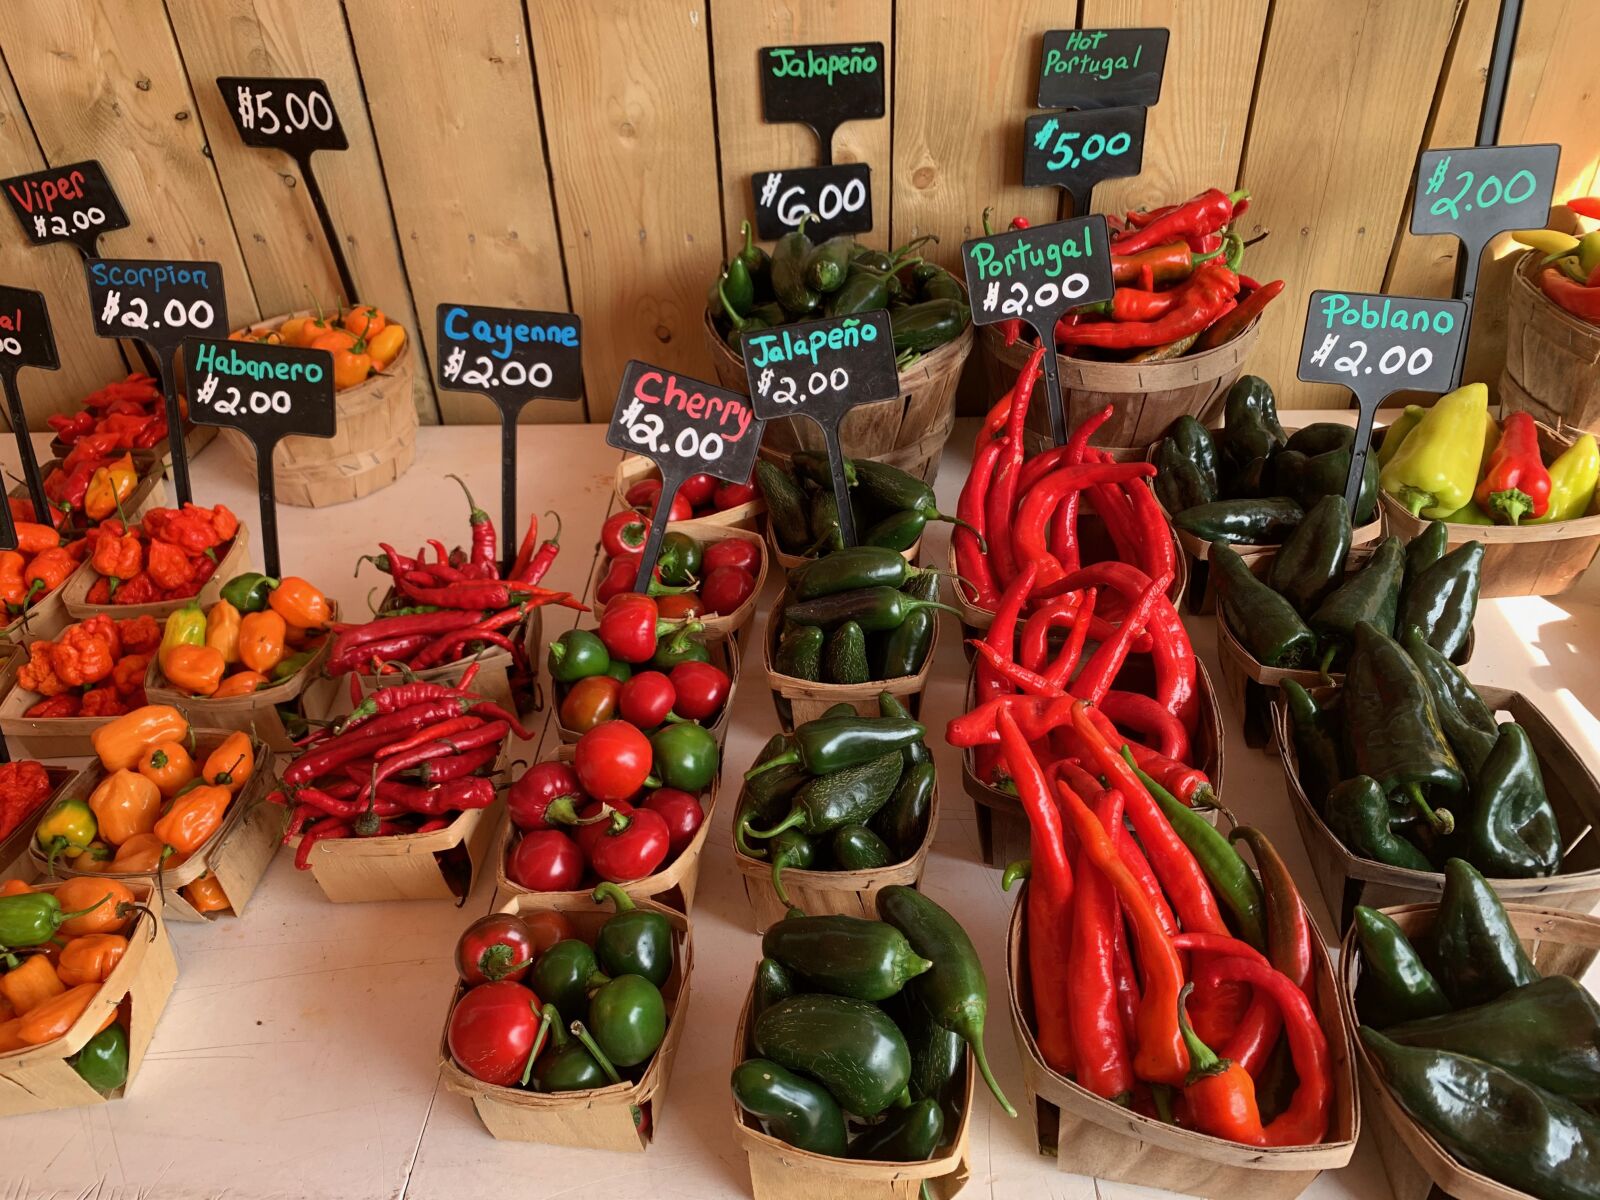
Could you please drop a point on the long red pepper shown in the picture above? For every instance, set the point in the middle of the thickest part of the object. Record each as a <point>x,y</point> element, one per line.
<point>438,770</point>
<point>972,564</point>
<point>1100,1045</point>
<point>1002,494</point>
<point>525,550</point>
<point>1030,529</point>
<point>1002,632</point>
<point>1187,783</point>
<point>435,651</point>
<point>1013,673</point>
<point>1064,526</point>
<point>1127,981</point>
<point>1252,1040</point>
<point>1160,552</point>
<point>1206,296</point>
<point>539,565</point>
<point>1060,671</point>
<point>1094,681</point>
<point>444,729</point>
<point>1065,612</point>
<point>1141,714</point>
<point>1203,214</point>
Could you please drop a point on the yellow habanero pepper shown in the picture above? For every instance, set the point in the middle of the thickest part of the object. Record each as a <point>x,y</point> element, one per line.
<point>125,803</point>
<point>1436,467</point>
<point>1546,241</point>
<point>1573,477</point>
<point>67,829</point>
<point>108,487</point>
<point>121,741</point>
<point>185,627</point>
<point>222,631</point>
<point>261,637</point>
<point>193,817</point>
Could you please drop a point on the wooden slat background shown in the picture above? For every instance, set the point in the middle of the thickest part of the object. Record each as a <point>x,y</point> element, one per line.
<point>596,154</point>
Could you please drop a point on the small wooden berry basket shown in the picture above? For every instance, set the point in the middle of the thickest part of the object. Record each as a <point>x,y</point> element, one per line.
<point>1347,879</point>
<point>724,654</point>
<point>42,1078</point>
<point>1090,1136</point>
<point>716,626</point>
<point>635,468</point>
<point>790,561</point>
<point>779,1171</point>
<point>44,737</point>
<point>233,558</point>
<point>623,1116</point>
<point>15,861</point>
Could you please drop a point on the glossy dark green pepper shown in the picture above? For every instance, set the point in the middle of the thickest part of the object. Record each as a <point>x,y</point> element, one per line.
<point>849,796</point>
<point>799,652</point>
<point>786,506</point>
<point>248,592</point>
<point>680,558</point>
<point>845,956</point>
<point>577,654</point>
<point>890,705</point>
<point>857,848</point>
<point>906,647</point>
<point>1468,723</point>
<point>1178,482</point>
<point>32,918</point>
<point>830,744</point>
<point>1395,983</point>
<point>683,646</point>
<point>928,325</point>
<point>828,264</point>
<point>628,1019</point>
<point>773,983</point>
<point>1510,830</point>
<point>1362,817</point>
<point>567,1066</point>
<point>909,1134</point>
<point>791,850</point>
<point>564,973</point>
<point>826,534</point>
<point>849,569</point>
<point>875,609</point>
<point>1476,954</point>
<point>790,1107</point>
<point>1247,521</point>
<point>1372,594</point>
<point>788,272</point>
<point>849,1046</point>
<point>844,656</point>
<point>938,1055</point>
<point>635,941</point>
<point>1442,600</point>
<point>865,289</point>
<point>103,1061</point>
<point>1316,744</point>
<point>898,531</point>
<point>1194,444</point>
<point>686,756</point>
<point>903,822</point>
<point>1310,564</point>
<point>1265,623</point>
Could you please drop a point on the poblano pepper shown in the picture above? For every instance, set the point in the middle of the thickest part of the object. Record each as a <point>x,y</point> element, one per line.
<point>1363,818</point>
<point>1477,955</point>
<point>1194,443</point>
<point>1310,564</point>
<point>1314,729</point>
<point>1178,483</point>
<point>1468,723</point>
<point>1443,600</point>
<point>1510,832</point>
<point>1395,983</point>
<point>1265,622</point>
<point>1242,521</point>
<point>1372,595</point>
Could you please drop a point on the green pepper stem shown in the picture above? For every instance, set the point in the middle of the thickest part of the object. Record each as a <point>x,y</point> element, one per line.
<point>1442,819</point>
<point>779,862</point>
<point>582,1034</point>
<point>788,757</point>
<point>539,1040</point>
<point>1327,661</point>
<point>915,604</point>
<point>1021,869</point>
<point>618,897</point>
<point>1203,1060</point>
<point>796,818</point>
<point>741,842</point>
<point>975,1040</point>
<point>1162,1095</point>
<point>933,514</point>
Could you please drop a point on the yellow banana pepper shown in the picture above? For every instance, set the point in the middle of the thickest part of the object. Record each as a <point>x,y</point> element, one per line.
<point>1437,465</point>
<point>1573,477</point>
<point>1546,241</point>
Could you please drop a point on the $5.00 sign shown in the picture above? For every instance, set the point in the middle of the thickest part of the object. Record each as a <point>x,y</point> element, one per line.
<point>686,427</point>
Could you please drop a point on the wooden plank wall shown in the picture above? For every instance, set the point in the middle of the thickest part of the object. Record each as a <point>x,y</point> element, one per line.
<point>596,154</point>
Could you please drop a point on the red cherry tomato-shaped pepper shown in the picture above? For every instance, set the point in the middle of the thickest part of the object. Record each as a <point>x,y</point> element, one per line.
<point>630,627</point>
<point>498,946</point>
<point>545,860</point>
<point>538,787</point>
<point>646,699</point>
<point>726,588</point>
<point>698,490</point>
<point>589,702</point>
<point>731,495</point>
<point>680,608</point>
<point>681,812</point>
<point>700,690</point>
<point>612,760</point>
<point>492,1030</point>
<point>630,846</point>
<point>732,552</point>
<point>548,928</point>
<point>624,533</point>
<point>595,823</point>
<point>645,496</point>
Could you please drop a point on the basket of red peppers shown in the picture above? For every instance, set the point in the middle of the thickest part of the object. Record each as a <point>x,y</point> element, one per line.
<point>129,416</point>
<point>25,786</point>
<point>389,802</point>
<point>152,566</point>
<point>706,572</point>
<point>700,497</point>
<point>85,676</point>
<point>1154,976</point>
<point>1175,334</point>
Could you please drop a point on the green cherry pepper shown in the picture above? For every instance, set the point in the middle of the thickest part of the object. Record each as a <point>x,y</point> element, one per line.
<point>686,757</point>
<point>679,559</point>
<point>634,942</point>
<point>577,654</point>
<point>563,975</point>
<point>681,647</point>
<point>103,1061</point>
<point>248,592</point>
<point>567,1066</point>
<point>628,1019</point>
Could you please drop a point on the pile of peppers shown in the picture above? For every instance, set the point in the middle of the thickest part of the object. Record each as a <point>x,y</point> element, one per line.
<point>1179,290</point>
<point>1406,736</point>
<point>1500,1064</point>
<point>859,1031</point>
<point>408,759</point>
<point>42,561</point>
<point>94,668</point>
<point>97,445</point>
<point>522,977</point>
<point>1571,274</point>
<point>598,677</point>
<point>24,786</point>
<point>261,632</point>
<point>692,577</point>
<point>168,555</point>
<point>891,507</point>
<point>60,945</point>
<point>698,496</point>
<point>451,606</point>
<point>1304,609</point>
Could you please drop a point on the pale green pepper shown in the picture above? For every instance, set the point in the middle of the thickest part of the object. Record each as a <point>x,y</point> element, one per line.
<point>1572,482</point>
<point>1437,465</point>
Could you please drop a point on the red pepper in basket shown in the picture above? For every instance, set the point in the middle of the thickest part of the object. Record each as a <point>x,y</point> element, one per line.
<point>1100,1044</point>
<point>1030,528</point>
<point>1072,650</point>
<point>1197,217</point>
<point>1205,298</point>
<point>1515,484</point>
<point>483,536</point>
<point>1143,716</point>
<point>1002,494</point>
<point>1094,681</point>
<point>1237,321</point>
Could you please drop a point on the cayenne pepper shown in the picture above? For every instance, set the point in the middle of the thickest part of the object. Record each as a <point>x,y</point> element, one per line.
<point>1099,1041</point>
<point>1003,492</point>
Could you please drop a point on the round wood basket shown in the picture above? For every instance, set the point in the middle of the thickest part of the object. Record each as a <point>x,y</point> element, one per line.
<point>1147,397</point>
<point>1552,357</point>
<point>908,432</point>
<point>374,440</point>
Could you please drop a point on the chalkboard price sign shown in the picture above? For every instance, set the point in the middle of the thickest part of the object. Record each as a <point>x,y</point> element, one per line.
<point>1101,68</point>
<point>1076,150</point>
<point>687,427</point>
<point>821,370</point>
<point>75,203</point>
<point>839,199</point>
<point>267,393</point>
<point>26,340</point>
<point>822,86</point>
<point>1376,345</point>
<point>296,116</point>
<point>512,356</point>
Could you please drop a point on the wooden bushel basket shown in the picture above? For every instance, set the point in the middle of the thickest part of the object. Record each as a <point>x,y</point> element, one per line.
<point>1560,943</point>
<point>41,1079</point>
<point>234,559</point>
<point>908,431</point>
<point>829,893</point>
<point>632,468</point>
<point>724,654</point>
<point>1346,879</point>
<point>705,532</point>
<point>373,445</point>
<point>237,853</point>
<point>1090,1136</point>
<point>1552,357</point>
<point>15,861</point>
<point>779,1171</point>
<point>1003,826</point>
<point>1519,560</point>
<point>608,1118</point>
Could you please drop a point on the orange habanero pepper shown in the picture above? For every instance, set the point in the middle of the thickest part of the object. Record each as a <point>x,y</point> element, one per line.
<point>193,817</point>
<point>142,852</point>
<point>121,743</point>
<point>206,895</point>
<point>91,959</point>
<point>55,1016</point>
<point>231,763</point>
<point>261,636</point>
<point>125,803</point>
<point>193,669</point>
<point>168,766</point>
<point>298,603</point>
<point>31,984</point>
<point>85,892</point>
<point>386,344</point>
<point>222,631</point>
<point>240,683</point>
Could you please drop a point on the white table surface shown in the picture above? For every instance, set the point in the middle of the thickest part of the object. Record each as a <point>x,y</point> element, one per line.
<point>299,1054</point>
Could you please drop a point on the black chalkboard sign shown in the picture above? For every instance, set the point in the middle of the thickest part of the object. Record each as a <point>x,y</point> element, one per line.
<point>1376,345</point>
<point>839,199</point>
<point>512,356</point>
<point>822,86</point>
<point>1101,68</point>
<point>1076,150</point>
<point>267,393</point>
<point>821,370</point>
<point>1036,276</point>
<point>26,340</point>
<point>686,427</point>
<point>75,203</point>
<point>159,302</point>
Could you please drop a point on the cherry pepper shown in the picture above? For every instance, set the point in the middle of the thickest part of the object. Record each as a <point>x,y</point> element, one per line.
<point>630,627</point>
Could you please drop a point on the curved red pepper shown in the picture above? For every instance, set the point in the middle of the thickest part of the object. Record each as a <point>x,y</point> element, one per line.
<point>1099,1041</point>
<point>1515,484</point>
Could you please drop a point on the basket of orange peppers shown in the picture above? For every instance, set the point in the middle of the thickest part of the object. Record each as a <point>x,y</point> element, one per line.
<point>83,956</point>
<point>152,566</point>
<point>85,675</point>
<point>32,577</point>
<point>245,661</point>
<point>165,799</point>
<point>362,340</point>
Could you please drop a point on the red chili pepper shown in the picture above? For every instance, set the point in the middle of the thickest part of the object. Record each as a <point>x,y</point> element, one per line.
<point>1094,681</point>
<point>324,830</point>
<point>525,550</point>
<point>1142,715</point>
<point>972,561</point>
<point>1002,494</point>
<point>1030,529</point>
<point>384,701</point>
<point>539,565</point>
<point>437,650</point>
<point>487,594</point>
<point>1197,217</point>
<point>483,536</point>
<point>455,766</point>
<point>1206,297</point>
<point>1237,321</point>
<point>1031,682</point>
<point>1060,671</point>
<point>1011,329</point>
<point>433,826</point>
<point>1100,1044</point>
<point>1585,206</point>
<point>1515,483</point>
<point>1160,555</point>
<point>442,730</point>
<point>487,736</point>
<point>1002,632</point>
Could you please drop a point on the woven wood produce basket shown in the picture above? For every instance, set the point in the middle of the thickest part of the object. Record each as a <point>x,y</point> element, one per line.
<point>1552,357</point>
<point>234,558</point>
<point>633,468</point>
<point>726,625</point>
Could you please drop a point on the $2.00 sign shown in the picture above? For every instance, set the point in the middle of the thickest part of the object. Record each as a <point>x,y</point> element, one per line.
<point>26,340</point>
<point>1376,345</point>
<point>1036,276</point>
<point>821,370</point>
<point>75,203</point>
<point>686,427</point>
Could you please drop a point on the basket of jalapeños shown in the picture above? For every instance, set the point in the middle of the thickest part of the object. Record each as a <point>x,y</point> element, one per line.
<point>1291,613</point>
<point>1469,998</point>
<point>851,627</point>
<point>855,1054</point>
<point>832,814</point>
<point>1407,764</point>
<point>564,1025</point>
<point>1250,482</point>
<point>802,281</point>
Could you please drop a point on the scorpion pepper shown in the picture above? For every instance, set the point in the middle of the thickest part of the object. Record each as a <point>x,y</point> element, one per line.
<point>38,674</point>
<point>13,592</point>
<point>102,702</point>
<point>49,570</point>
<point>117,556</point>
<point>127,677</point>
<point>169,569</point>
<point>85,653</point>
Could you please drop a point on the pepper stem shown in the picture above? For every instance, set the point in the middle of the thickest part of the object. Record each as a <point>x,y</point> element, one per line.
<point>618,897</point>
<point>741,842</point>
<point>582,1034</point>
<point>975,1040</point>
<point>781,760</point>
<point>539,1039</point>
<point>779,862</point>
<point>1440,818</point>
<point>933,514</point>
<point>1021,869</point>
<point>1202,1060</point>
<point>1326,661</point>
<point>796,818</point>
<point>477,516</point>
<point>1512,503</point>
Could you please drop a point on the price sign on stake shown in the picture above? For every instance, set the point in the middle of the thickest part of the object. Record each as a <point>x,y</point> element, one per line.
<point>1376,345</point>
<point>267,393</point>
<point>821,370</point>
<point>1076,150</point>
<point>1476,192</point>
<point>1036,276</point>
<point>25,341</point>
<point>159,302</point>
<point>822,86</point>
<point>75,203</point>
<point>512,356</point>
<point>685,427</point>
<point>839,199</point>
<point>1101,68</point>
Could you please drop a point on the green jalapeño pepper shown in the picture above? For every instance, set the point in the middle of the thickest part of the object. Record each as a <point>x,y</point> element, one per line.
<point>1395,984</point>
<point>851,796</point>
<point>789,257</point>
<point>773,984</point>
<point>32,918</point>
<point>248,592</point>
<point>291,666</point>
<point>686,757</point>
<point>564,973</point>
<point>907,1134</point>
<point>1477,954</point>
<point>875,609</point>
<point>847,956</point>
<point>903,821</point>
<point>577,654</point>
<point>103,1061</point>
<point>628,1019</point>
<point>852,568</point>
<point>857,848</point>
<point>790,1107</point>
<point>67,829</point>
<point>849,1046</point>
<point>830,744</point>
<point>634,942</point>
<point>790,850</point>
<point>891,490</point>
<point>1316,744</point>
